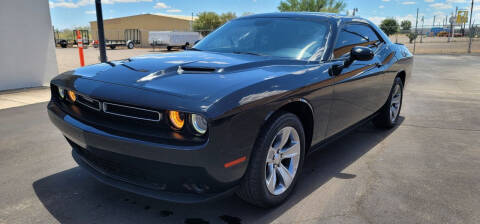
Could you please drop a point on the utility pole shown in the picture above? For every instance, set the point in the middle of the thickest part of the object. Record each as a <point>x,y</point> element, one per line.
<point>470,30</point>
<point>434,17</point>
<point>101,33</point>
<point>454,20</point>
<point>421,32</point>
<point>416,31</point>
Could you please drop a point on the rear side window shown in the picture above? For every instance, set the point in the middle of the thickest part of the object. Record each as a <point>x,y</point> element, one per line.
<point>352,35</point>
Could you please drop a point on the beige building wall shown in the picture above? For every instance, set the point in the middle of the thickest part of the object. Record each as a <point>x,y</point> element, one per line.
<point>115,28</point>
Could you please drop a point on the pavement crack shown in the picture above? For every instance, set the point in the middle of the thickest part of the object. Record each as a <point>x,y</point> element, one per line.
<point>439,128</point>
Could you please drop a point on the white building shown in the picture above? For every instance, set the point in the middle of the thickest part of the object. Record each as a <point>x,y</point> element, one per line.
<point>26,44</point>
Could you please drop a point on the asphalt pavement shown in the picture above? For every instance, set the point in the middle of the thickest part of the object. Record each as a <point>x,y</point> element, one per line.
<point>424,171</point>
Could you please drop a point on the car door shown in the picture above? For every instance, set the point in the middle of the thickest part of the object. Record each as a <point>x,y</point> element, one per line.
<point>358,87</point>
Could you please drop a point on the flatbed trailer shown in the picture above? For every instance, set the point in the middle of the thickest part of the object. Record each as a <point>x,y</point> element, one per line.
<point>132,38</point>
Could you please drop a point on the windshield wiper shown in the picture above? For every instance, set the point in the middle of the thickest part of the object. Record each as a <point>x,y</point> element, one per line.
<point>250,53</point>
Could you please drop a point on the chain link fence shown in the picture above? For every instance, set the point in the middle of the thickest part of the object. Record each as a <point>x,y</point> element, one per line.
<point>440,39</point>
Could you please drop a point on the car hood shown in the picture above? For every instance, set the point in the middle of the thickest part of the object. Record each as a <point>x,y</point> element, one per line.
<point>204,76</point>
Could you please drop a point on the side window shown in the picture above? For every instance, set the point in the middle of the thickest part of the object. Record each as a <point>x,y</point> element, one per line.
<point>353,35</point>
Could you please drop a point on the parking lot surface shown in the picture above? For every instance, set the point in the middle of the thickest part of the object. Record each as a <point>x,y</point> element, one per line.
<point>424,171</point>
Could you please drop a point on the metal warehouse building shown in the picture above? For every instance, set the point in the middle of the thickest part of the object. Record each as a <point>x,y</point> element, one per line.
<point>140,25</point>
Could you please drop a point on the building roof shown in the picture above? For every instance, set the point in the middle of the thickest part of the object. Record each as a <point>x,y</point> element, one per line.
<point>187,18</point>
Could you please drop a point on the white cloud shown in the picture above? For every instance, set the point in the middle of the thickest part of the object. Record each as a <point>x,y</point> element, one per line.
<point>80,3</point>
<point>440,5</point>
<point>385,0</point>
<point>174,10</point>
<point>123,1</point>
<point>161,5</point>
<point>70,4</point>
<point>456,1</point>
<point>381,6</point>
<point>409,3</point>
<point>90,12</point>
<point>429,1</point>
<point>376,19</point>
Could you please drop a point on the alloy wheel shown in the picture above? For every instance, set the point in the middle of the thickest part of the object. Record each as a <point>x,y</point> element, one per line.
<point>395,102</point>
<point>282,160</point>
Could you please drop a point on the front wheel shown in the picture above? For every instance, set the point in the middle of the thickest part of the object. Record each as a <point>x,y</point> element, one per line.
<point>276,162</point>
<point>130,45</point>
<point>388,115</point>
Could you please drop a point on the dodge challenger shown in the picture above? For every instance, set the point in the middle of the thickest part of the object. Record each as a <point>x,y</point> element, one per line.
<point>236,113</point>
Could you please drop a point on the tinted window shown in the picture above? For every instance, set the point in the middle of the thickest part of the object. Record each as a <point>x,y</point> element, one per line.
<point>281,37</point>
<point>353,35</point>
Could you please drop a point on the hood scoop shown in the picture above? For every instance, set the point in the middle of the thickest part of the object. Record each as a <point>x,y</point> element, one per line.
<point>194,70</point>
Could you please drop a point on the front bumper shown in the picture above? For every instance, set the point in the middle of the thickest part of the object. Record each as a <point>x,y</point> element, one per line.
<point>173,173</point>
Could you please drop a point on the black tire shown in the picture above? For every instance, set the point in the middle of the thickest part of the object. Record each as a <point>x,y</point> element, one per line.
<point>383,118</point>
<point>253,187</point>
<point>63,43</point>
<point>169,48</point>
<point>112,47</point>
<point>130,45</point>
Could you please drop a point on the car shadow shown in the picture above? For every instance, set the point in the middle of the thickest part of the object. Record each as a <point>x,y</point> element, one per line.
<point>73,196</point>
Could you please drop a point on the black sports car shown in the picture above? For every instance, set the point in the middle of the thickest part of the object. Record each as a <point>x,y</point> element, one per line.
<point>236,113</point>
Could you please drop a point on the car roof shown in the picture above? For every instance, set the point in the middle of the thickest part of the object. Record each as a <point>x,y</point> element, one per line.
<point>321,15</point>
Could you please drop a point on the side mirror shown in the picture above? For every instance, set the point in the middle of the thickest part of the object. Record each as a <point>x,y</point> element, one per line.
<point>361,54</point>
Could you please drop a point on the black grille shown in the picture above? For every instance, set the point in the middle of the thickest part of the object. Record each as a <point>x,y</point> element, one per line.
<point>131,112</point>
<point>89,102</point>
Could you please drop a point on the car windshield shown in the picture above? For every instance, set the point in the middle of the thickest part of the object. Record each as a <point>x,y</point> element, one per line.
<point>280,37</point>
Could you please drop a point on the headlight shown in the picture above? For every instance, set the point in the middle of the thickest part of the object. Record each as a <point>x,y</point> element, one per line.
<point>72,96</point>
<point>177,119</point>
<point>199,123</point>
<point>61,92</point>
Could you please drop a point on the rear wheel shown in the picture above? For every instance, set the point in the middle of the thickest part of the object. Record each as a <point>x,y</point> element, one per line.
<point>276,162</point>
<point>388,115</point>
<point>130,45</point>
<point>112,47</point>
<point>169,48</point>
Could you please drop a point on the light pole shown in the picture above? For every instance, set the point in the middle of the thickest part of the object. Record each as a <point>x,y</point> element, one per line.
<point>470,29</point>
<point>416,31</point>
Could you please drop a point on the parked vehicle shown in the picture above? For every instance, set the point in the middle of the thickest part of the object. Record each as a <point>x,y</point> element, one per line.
<point>132,38</point>
<point>173,39</point>
<point>238,112</point>
<point>63,43</point>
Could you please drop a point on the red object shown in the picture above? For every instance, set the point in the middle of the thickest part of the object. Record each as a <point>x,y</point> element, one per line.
<point>80,48</point>
<point>235,162</point>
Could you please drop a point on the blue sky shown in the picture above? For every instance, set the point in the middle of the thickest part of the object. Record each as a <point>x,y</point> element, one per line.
<point>72,13</point>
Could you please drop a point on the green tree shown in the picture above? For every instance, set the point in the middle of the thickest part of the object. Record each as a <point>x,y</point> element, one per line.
<point>412,36</point>
<point>334,6</point>
<point>389,26</point>
<point>406,25</point>
<point>207,22</point>
<point>225,17</point>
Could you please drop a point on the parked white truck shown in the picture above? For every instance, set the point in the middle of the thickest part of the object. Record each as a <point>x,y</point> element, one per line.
<point>173,39</point>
